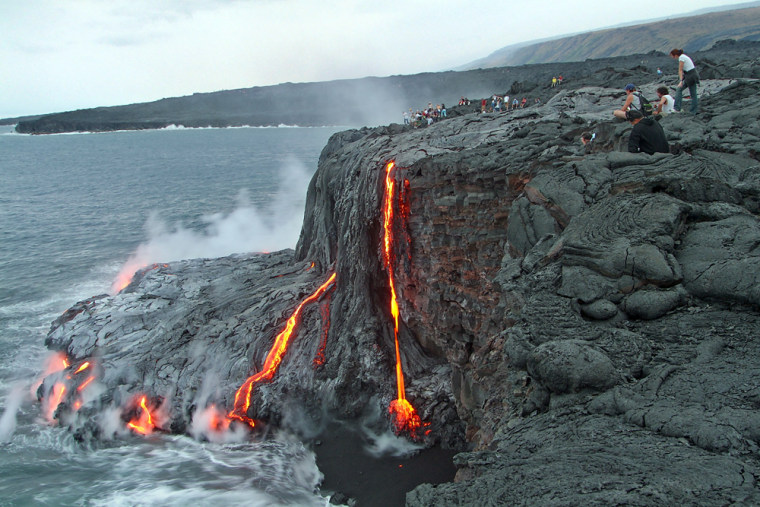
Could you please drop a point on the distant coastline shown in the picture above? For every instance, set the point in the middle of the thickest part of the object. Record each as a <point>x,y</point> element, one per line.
<point>11,129</point>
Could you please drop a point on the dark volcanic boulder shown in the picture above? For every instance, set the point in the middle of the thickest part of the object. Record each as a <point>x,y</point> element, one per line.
<point>566,366</point>
<point>722,259</point>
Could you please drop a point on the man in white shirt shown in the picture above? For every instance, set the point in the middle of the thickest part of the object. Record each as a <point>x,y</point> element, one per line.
<point>666,103</point>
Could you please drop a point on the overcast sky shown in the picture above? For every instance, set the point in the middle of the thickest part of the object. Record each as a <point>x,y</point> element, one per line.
<point>59,55</point>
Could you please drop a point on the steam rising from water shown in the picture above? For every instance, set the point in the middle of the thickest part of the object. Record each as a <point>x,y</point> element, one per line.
<point>8,419</point>
<point>388,444</point>
<point>245,229</point>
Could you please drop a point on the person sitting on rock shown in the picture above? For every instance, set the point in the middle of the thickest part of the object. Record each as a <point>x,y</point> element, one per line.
<point>666,103</point>
<point>587,139</point>
<point>632,101</point>
<point>647,135</point>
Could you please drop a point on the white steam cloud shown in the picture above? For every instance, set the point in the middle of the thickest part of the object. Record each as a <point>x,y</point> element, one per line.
<point>8,419</point>
<point>245,229</point>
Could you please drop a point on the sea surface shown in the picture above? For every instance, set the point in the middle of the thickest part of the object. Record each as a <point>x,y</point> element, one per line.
<point>74,211</point>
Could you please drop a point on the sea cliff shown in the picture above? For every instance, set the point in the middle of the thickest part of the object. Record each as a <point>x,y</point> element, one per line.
<point>582,325</point>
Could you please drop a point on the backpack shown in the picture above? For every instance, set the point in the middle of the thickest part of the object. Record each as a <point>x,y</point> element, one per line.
<point>646,107</point>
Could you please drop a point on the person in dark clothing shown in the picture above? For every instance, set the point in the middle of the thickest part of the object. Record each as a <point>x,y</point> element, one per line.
<point>587,139</point>
<point>647,135</point>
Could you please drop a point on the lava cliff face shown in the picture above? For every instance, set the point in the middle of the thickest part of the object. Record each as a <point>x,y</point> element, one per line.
<point>583,321</point>
<point>566,290</point>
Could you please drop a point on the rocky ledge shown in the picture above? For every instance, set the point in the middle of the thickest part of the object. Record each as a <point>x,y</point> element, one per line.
<point>583,326</point>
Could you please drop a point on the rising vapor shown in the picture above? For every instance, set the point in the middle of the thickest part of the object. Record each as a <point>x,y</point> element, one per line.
<point>245,229</point>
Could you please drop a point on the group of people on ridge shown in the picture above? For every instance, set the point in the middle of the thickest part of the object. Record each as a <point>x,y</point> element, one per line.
<point>499,103</point>
<point>428,115</point>
<point>647,135</point>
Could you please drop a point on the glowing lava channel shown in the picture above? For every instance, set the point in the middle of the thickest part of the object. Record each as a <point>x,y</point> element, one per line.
<point>143,424</point>
<point>404,416</point>
<point>272,362</point>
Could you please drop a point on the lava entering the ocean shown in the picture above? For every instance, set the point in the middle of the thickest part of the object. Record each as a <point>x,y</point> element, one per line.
<point>144,423</point>
<point>404,416</point>
<point>273,359</point>
<point>127,274</point>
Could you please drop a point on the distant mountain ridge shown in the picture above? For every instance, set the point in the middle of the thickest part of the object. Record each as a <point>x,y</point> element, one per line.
<point>692,33</point>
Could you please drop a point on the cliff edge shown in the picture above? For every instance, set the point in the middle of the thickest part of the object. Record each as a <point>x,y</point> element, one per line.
<point>582,325</point>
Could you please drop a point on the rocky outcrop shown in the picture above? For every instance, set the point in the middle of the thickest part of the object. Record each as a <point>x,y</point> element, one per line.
<point>583,325</point>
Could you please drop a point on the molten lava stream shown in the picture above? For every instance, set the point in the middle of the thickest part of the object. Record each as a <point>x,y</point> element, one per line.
<point>56,398</point>
<point>404,416</point>
<point>143,424</point>
<point>272,362</point>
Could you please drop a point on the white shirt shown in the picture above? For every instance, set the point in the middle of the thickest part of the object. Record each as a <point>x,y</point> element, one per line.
<point>687,63</point>
<point>668,106</point>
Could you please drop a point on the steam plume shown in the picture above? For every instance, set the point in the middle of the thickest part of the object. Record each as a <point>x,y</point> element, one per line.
<point>8,419</point>
<point>245,229</point>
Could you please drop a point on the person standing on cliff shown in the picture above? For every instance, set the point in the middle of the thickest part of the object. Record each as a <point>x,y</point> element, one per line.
<point>688,78</point>
<point>647,135</point>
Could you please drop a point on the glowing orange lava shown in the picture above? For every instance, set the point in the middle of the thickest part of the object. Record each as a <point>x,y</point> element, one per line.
<point>57,362</point>
<point>216,420</point>
<point>84,384</point>
<point>83,367</point>
<point>59,389</point>
<point>273,359</point>
<point>54,363</point>
<point>404,416</point>
<point>123,279</point>
<point>143,424</point>
<point>127,273</point>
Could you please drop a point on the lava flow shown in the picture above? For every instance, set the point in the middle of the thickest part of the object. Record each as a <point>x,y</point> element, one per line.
<point>143,424</point>
<point>127,273</point>
<point>404,416</point>
<point>56,398</point>
<point>272,362</point>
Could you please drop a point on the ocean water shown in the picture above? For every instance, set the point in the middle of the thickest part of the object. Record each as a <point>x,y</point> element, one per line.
<point>75,211</point>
